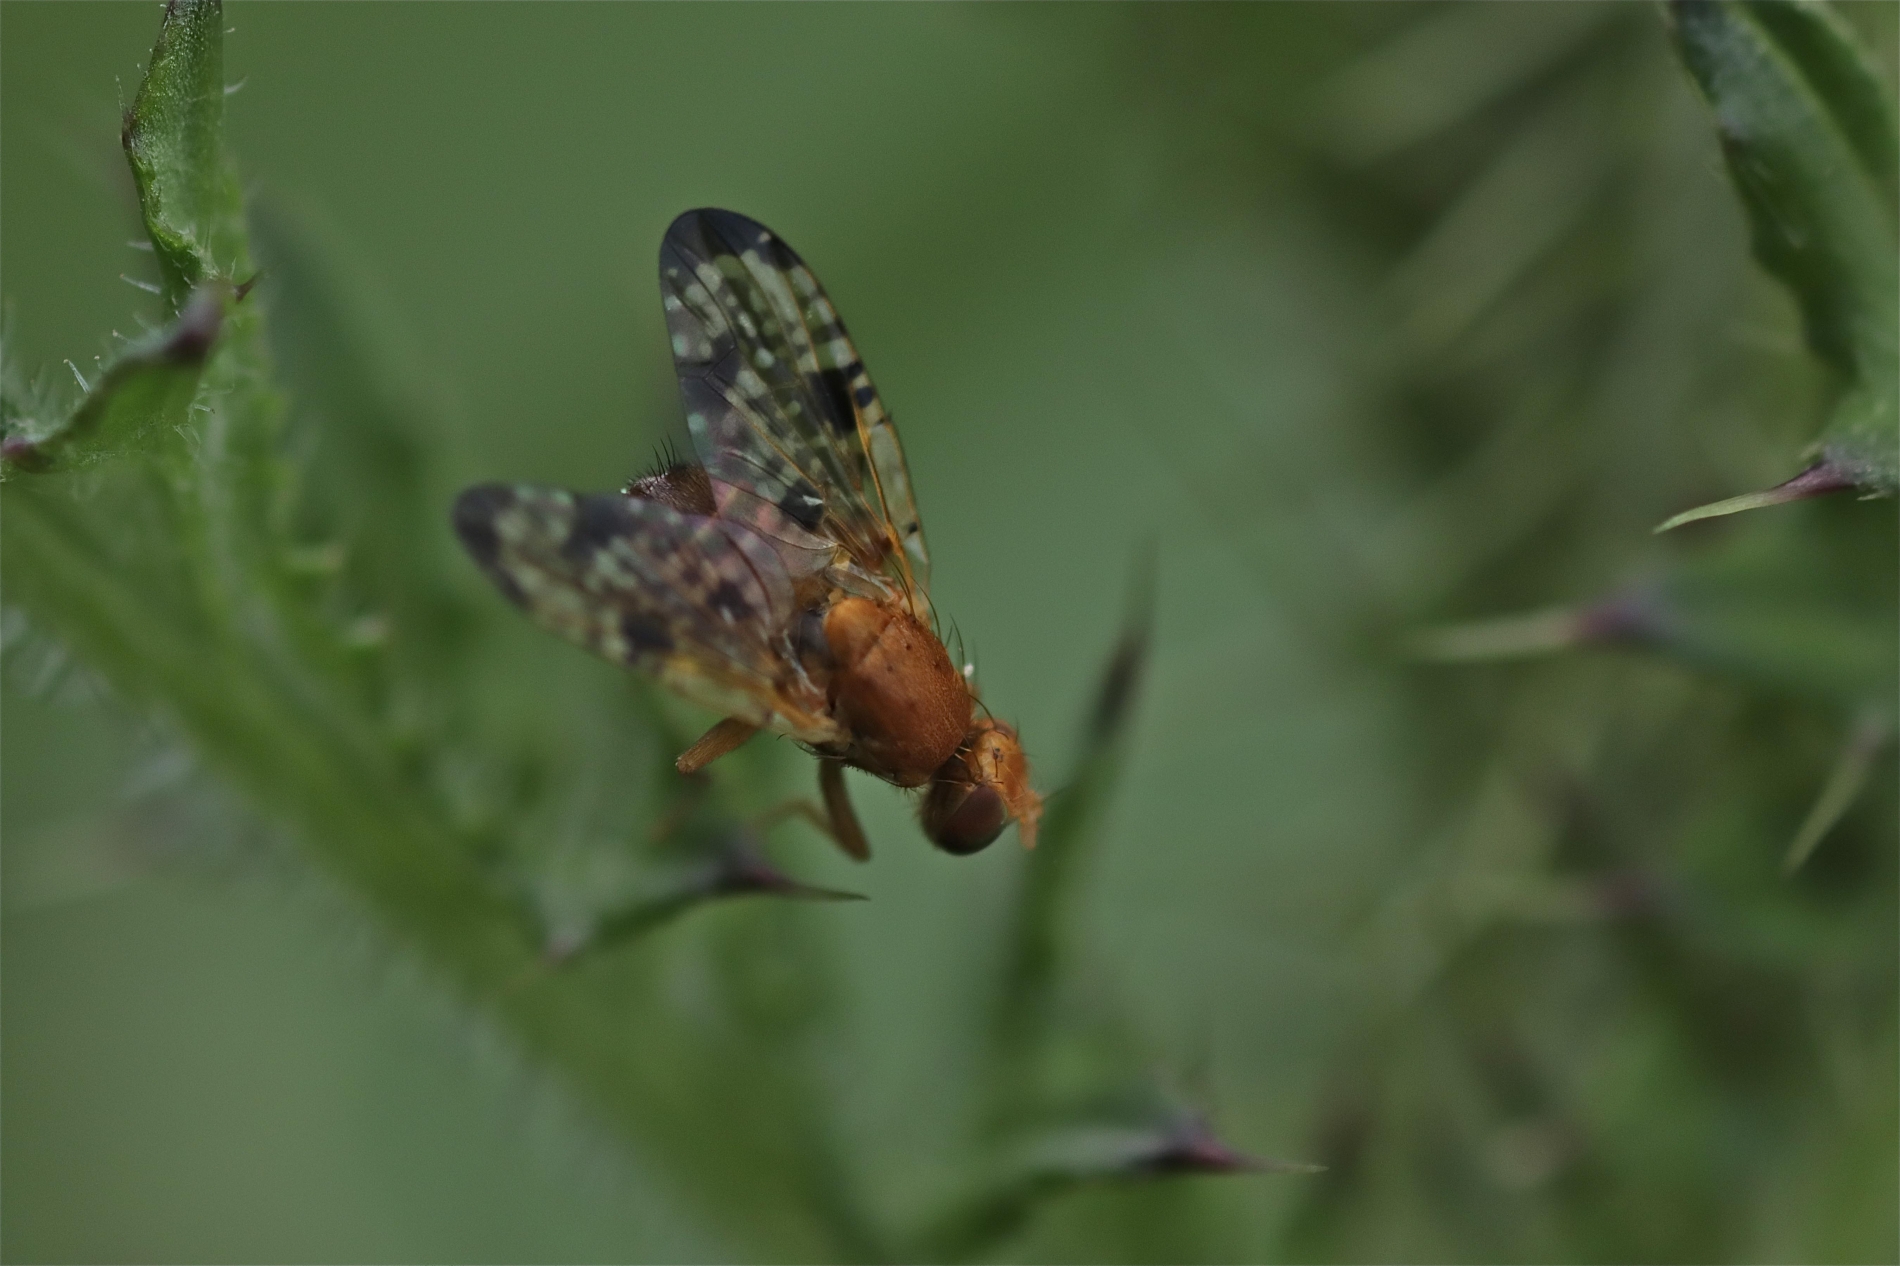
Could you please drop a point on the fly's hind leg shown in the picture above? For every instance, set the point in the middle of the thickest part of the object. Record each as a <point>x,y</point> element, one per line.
<point>844,819</point>
<point>836,819</point>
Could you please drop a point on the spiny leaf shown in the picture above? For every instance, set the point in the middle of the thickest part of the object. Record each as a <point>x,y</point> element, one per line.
<point>1808,132</point>
<point>1805,605</point>
<point>1183,1144</point>
<point>1862,440</point>
<point>148,388</point>
<point>1816,481</point>
<point>736,868</point>
<point>1517,636</point>
<point>1789,124</point>
<point>174,140</point>
<point>1060,1160</point>
<point>1036,927</point>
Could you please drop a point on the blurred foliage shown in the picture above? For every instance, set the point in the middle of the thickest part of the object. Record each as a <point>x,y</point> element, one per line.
<point>1379,318</point>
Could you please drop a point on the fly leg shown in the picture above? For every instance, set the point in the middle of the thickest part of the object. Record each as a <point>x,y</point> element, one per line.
<point>844,819</point>
<point>729,735</point>
<point>836,819</point>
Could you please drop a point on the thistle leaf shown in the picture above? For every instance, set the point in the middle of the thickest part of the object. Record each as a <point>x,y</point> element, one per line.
<point>1792,606</point>
<point>147,389</point>
<point>174,140</point>
<point>1808,131</point>
<point>1060,1160</point>
<point>1038,922</point>
<point>737,870</point>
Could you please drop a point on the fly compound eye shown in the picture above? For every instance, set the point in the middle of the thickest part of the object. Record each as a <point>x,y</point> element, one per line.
<point>962,819</point>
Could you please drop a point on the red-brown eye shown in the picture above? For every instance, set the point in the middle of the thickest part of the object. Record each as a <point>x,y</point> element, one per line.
<point>969,826</point>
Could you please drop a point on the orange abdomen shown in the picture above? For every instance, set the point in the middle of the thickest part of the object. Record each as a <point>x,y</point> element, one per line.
<point>895,690</point>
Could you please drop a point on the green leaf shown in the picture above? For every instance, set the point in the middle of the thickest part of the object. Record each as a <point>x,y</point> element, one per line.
<point>1828,52</point>
<point>736,867</point>
<point>1038,923</point>
<point>148,388</point>
<point>1808,132</point>
<point>1063,1159</point>
<point>174,140</point>
<point>1862,440</point>
<point>1037,1041</point>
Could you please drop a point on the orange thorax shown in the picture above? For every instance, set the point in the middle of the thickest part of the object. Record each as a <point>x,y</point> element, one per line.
<point>895,691</point>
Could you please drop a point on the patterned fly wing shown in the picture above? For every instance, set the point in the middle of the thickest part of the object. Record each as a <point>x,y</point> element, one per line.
<point>700,603</point>
<point>782,412</point>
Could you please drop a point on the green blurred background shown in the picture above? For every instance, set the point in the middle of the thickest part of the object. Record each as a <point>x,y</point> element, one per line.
<point>1372,317</point>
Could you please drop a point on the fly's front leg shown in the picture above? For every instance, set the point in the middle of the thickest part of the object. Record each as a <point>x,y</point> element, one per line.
<point>729,735</point>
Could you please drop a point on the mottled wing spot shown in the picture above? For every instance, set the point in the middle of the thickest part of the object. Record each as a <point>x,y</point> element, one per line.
<point>729,602</point>
<point>802,504</point>
<point>476,514</point>
<point>644,634</point>
<point>837,387</point>
<point>599,523</point>
<point>474,518</point>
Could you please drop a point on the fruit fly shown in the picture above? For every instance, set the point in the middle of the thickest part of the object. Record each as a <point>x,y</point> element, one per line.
<point>782,578</point>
